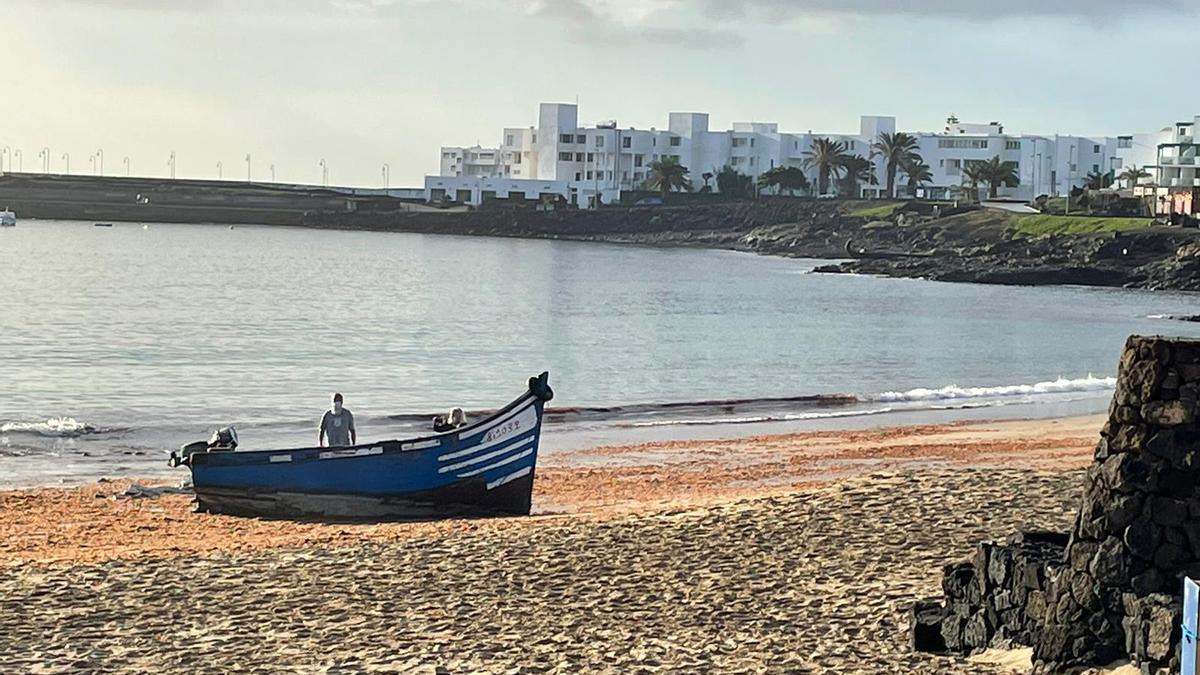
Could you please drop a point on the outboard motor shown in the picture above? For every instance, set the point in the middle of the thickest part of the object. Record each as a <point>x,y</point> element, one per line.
<point>223,440</point>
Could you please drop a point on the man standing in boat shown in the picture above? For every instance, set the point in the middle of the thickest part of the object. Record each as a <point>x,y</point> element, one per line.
<point>337,425</point>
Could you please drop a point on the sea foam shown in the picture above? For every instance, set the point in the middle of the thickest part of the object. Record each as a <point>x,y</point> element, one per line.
<point>63,427</point>
<point>1060,386</point>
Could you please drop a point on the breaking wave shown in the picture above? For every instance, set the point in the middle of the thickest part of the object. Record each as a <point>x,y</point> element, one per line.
<point>952,392</point>
<point>54,427</point>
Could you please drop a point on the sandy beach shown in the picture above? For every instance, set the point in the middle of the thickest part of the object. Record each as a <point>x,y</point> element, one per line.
<point>791,553</point>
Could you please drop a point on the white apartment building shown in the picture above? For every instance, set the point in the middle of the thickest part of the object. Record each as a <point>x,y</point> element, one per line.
<point>584,163</point>
<point>1176,172</point>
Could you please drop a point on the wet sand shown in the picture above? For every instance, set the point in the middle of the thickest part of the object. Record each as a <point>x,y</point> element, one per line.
<point>796,553</point>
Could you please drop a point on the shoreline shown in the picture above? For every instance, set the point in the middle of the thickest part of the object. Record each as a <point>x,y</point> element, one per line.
<point>94,522</point>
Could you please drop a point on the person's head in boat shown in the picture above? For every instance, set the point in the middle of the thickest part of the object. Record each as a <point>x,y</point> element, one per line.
<point>337,425</point>
<point>452,420</point>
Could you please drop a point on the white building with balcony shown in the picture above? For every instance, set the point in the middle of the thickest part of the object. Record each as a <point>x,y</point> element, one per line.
<point>584,163</point>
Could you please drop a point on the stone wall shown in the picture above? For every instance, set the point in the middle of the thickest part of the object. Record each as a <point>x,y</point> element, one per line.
<point>1114,592</point>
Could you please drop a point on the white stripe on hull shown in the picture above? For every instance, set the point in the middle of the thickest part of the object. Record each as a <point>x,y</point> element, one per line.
<point>501,463</point>
<point>526,421</point>
<point>353,452</point>
<point>504,480</point>
<point>483,458</point>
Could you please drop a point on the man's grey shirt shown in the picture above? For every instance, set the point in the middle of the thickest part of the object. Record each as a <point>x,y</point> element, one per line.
<point>337,426</point>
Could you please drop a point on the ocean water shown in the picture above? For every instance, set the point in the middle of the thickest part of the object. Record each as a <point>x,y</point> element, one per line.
<point>118,344</point>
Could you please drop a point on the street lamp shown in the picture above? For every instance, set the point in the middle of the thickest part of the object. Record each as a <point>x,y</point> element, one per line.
<point>6,150</point>
<point>126,161</point>
<point>171,163</point>
<point>67,158</point>
<point>324,172</point>
<point>386,175</point>
<point>100,154</point>
<point>247,167</point>
<point>220,170</point>
<point>44,155</point>
<point>272,173</point>
<point>20,160</point>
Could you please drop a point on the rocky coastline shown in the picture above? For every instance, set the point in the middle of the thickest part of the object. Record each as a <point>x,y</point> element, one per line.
<point>970,245</point>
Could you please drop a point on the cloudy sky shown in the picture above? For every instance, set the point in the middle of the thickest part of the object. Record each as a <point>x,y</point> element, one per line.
<point>363,82</point>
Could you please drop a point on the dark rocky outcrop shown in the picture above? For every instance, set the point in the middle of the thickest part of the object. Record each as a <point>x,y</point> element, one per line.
<point>1112,589</point>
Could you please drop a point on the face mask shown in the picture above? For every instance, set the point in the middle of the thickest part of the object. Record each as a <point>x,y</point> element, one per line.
<point>337,407</point>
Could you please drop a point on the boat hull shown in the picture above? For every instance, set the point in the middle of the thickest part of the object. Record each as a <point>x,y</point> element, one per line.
<point>483,469</point>
<point>470,499</point>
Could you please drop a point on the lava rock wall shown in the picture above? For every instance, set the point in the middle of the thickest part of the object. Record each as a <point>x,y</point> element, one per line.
<point>1137,533</point>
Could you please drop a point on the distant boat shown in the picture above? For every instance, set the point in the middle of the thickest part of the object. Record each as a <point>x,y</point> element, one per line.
<point>103,224</point>
<point>483,469</point>
<point>8,218</point>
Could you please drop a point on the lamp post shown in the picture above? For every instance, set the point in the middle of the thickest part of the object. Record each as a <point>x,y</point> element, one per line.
<point>386,175</point>
<point>92,162</point>
<point>247,167</point>
<point>324,172</point>
<point>20,160</point>
<point>67,158</point>
<point>100,155</point>
<point>220,170</point>
<point>171,163</point>
<point>126,161</point>
<point>44,155</point>
<point>272,173</point>
<point>6,151</point>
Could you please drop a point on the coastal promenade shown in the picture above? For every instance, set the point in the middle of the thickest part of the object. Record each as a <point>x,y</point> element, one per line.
<point>796,553</point>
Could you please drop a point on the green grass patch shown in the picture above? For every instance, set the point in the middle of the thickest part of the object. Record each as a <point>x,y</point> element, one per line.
<point>882,211</point>
<point>1036,225</point>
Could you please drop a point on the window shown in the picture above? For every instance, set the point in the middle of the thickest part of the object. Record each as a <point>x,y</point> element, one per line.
<point>591,157</point>
<point>675,141</point>
<point>752,142</point>
<point>624,175</point>
<point>737,160</point>
<point>739,142</point>
<point>639,176</point>
<point>1096,149</point>
<point>637,160</point>
<point>752,160</point>
<point>850,144</point>
<point>566,138</point>
<point>578,176</point>
<point>970,143</point>
<point>516,158</point>
<point>533,138</point>
<point>579,157</point>
<point>627,142</point>
<point>599,141</point>
<point>581,139</point>
<point>1125,141</point>
<point>565,156</point>
<point>607,175</point>
<point>508,139</point>
<point>1012,145</point>
<point>1096,168</point>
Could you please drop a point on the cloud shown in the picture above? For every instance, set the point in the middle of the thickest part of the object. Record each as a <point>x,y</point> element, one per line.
<point>629,22</point>
<point>972,10</point>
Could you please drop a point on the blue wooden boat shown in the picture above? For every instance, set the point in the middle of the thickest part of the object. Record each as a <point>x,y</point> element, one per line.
<point>482,469</point>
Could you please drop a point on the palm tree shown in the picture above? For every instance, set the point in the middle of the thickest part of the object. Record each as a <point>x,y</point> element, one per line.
<point>1131,175</point>
<point>917,172</point>
<point>666,175</point>
<point>973,174</point>
<point>895,149</point>
<point>859,169</point>
<point>997,172</point>
<point>827,156</point>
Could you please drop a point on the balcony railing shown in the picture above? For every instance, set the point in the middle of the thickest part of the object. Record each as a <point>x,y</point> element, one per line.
<point>1166,161</point>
